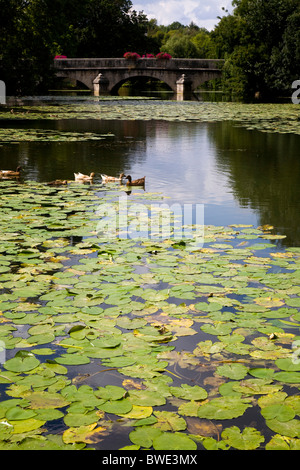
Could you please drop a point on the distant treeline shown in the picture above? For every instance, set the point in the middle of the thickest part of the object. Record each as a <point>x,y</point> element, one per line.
<point>260,41</point>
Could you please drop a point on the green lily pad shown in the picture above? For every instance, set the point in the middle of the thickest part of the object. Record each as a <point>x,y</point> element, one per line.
<point>232,371</point>
<point>173,441</point>
<point>281,412</point>
<point>146,398</point>
<point>227,407</point>
<point>288,377</point>
<point>289,428</point>
<point>18,413</point>
<point>72,359</point>
<point>21,363</point>
<point>144,435</point>
<point>287,364</point>
<point>188,392</point>
<point>81,419</point>
<point>110,392</point>
<point>117,407</point>
<point>248,439</point>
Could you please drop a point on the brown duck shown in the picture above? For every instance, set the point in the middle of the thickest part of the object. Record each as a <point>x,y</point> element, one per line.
<point>57,183</point>
<point>10,173</point>
<point>138,182</point>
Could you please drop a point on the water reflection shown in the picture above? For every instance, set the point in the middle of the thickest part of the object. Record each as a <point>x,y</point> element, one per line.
<point>263,171</point>
<point>240,176</point>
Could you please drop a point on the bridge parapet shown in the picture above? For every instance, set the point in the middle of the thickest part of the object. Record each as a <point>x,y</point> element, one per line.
<point>114,71</point>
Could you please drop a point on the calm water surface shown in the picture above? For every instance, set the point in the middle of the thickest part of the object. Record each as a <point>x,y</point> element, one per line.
<point>240,176</point>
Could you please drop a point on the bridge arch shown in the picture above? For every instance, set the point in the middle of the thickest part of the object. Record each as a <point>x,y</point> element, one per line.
<point>104,75</point>
<point>77,76</point>
<point>70,79</point>
<point>116,83</point>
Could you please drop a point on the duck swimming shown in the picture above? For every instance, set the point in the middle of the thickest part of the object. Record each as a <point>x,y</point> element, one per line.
<point>57,183</point>
<point>138,182</point>
<point>82,177</point>
<point>8,173</point>
<point>112,179</point>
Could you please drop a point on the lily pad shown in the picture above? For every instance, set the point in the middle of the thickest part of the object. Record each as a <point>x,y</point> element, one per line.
<point>22,363</point>
<point>233,371</point>
<point>223,408</point>
<point>188,392</point>
<point>281,412</point>
<point>173,441</point>
<point>289,428</point>
<point>18,413</point>
<point>143,436</point>
<point>117,407</point>
<point>248,439</point>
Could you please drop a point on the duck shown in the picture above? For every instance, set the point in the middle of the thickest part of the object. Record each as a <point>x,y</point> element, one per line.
<point>82,177</point>
<point>8,173</point>
<point>112,179</point>
<point>138,182</point>
<point>57,183</point>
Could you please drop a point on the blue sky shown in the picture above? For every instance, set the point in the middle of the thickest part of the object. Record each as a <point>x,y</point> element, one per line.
<point>202,12</point>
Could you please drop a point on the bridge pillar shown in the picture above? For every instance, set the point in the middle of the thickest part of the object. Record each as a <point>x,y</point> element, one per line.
<point>184,85</point>
<point>100,85</point>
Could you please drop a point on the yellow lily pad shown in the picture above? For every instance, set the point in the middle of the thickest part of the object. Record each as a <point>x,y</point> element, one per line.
<point>138,412</point>
<point>269,302</point>
<point>89,434</point>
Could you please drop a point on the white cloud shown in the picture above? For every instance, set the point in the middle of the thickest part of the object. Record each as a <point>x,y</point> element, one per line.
<point>202,12</point>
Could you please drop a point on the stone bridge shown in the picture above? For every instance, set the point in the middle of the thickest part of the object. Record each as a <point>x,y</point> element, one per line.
<point>105,76</point>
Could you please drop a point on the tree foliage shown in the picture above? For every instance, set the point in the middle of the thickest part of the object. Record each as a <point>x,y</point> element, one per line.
<point>34,31</point>
<point>260,43</point>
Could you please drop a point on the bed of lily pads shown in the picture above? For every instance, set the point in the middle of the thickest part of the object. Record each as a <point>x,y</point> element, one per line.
<point>166,344</point>
<point>13,135</point>
<point>266,117</point>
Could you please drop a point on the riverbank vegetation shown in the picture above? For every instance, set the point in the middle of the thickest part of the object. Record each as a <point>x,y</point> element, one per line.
<point>260,41</point>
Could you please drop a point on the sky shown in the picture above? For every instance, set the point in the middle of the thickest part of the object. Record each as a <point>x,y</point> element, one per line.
<point>202,12</point>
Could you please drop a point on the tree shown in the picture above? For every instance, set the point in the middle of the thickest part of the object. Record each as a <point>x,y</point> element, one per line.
<point>109,28</point>
<point>34,31</point>
<point>180,46</point>
<point>205,46</point>
<point>260,43</point>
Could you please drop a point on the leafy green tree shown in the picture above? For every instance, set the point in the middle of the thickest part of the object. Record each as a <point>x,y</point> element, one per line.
<point>180,46</point>
<point>206,48</point>
<point>109,28</point>
<point>34,31</point>
<point>260,43</point>
<point>285,58</point>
